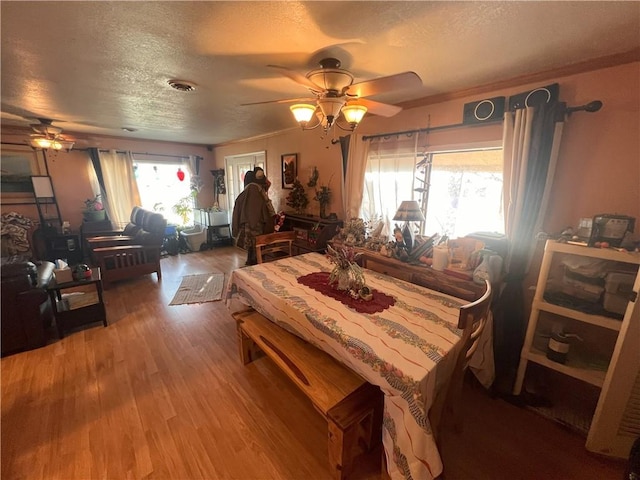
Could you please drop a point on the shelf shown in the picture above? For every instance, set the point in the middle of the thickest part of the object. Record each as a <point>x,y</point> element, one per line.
<point>598,320</point>
<point>592,376</point>
<point>613,369</point>
<point>600,253</point>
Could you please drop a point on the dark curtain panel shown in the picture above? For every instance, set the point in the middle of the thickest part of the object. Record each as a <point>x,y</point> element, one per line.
<point>95,161</point>
<point>344,148</point>
<point>509,314</point>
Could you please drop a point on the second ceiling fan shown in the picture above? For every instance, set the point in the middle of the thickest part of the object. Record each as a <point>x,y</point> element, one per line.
<point>335,92</point>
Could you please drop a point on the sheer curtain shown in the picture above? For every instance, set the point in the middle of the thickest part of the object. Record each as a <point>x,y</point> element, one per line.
<point>389,177</point>
<point>531,144</point>
<point>354,174</point>
<point>121,188</point>
<point>192,164</point>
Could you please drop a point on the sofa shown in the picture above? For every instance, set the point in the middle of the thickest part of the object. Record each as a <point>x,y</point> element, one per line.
<point>134,251</point>
<point>26,306</point>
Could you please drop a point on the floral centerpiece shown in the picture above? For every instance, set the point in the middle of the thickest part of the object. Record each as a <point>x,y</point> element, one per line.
<point>346,275</point>
<point>93,209</point>
<point>353,233</point>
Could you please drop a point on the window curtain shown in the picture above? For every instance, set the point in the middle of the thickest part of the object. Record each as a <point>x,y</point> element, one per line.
<point>354,172</point>
<point>120,186</point>
<point>192,164</point>
<point>389,177</point>
<point>531,141</point>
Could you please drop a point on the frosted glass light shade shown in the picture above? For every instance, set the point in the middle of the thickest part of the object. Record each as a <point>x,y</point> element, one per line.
<point>354,113</point>
<point>302,112</point>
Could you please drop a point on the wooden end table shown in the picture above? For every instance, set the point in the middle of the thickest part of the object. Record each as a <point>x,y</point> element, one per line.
<point>66,315</point>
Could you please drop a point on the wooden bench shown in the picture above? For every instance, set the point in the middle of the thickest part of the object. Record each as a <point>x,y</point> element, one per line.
<point>351,406</point>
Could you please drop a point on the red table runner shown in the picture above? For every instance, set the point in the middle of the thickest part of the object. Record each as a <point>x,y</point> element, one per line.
<point>319,281</point>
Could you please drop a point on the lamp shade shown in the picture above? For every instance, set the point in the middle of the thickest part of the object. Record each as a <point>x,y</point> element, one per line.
<point>354,113</point>
<point>302,112</point>
<point>409,211</point>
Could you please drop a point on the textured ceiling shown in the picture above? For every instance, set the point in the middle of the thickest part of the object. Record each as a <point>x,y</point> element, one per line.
<point>96,67</point>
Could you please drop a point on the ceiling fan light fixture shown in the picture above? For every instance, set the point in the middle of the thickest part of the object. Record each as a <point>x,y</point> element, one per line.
<point>353,114</point>
<point>48,137</point>
<point>303,112</point>
<point>331,107</point>
<point>66,145</point>
<point>40,142</point>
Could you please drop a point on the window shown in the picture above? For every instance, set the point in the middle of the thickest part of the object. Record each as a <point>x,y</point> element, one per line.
<point>160,189</point>
<point>463,193</point>
<point>459,191</point>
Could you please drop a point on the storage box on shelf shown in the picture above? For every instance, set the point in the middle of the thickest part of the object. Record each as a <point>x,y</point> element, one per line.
<point>313,232</point>
<point>607,357</point>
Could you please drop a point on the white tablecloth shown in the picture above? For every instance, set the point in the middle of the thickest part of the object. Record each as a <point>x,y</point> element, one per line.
<point>406,349</point>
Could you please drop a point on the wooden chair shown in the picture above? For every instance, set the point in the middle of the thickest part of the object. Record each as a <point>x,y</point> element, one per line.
<point>445,410</point>
<point>272,246</point>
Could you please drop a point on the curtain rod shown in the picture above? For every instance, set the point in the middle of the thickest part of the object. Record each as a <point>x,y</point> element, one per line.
<point>429,129</point>
<point>589,107</point>
<point>151,154</point>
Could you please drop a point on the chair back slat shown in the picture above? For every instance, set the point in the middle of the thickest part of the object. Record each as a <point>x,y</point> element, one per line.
<point>272,246</point>
<point>472,321</point>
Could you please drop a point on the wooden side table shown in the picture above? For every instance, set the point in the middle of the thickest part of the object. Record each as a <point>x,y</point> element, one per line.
<point>66,315</point>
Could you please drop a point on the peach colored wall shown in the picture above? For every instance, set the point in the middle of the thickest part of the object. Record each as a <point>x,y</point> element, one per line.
<point>312,151</point>
<point>599,161</point>
<point>71,181</point>
<point>598,169</point>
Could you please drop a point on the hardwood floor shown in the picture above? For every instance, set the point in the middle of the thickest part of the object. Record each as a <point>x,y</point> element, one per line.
<point>161,393</point>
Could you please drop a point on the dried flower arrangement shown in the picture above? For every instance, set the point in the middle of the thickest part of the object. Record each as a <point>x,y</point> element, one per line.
<point>353,233</point>
<point>347,274</point>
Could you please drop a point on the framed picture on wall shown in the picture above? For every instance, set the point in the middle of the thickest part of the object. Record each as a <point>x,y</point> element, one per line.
<point>19,163</point>
<point>289,169</point>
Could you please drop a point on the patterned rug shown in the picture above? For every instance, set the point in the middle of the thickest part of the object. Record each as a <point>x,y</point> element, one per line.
<point>200,288</point>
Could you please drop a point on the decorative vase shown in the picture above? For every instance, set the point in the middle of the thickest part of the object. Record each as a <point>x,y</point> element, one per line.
<point>323,210</point>
<point>343,277</point>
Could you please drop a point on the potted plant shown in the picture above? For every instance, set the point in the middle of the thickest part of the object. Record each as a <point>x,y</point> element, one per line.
<point>297,198</point>
<point>94,210</point>
<point>184,207</point>
<point>323,197</point>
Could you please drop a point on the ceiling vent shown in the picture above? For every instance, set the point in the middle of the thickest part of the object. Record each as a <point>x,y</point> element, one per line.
<point>182,85</point>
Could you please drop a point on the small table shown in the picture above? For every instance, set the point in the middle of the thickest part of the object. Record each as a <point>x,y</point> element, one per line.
<point>66,315</point>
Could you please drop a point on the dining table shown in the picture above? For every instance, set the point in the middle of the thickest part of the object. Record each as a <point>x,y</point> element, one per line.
<point>404,340</point>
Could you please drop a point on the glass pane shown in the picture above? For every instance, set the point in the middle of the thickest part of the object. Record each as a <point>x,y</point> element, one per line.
<point>161,190</point>
<point>465,193</point>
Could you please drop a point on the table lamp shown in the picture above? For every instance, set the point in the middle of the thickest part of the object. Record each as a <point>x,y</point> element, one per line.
<point>409,211</point>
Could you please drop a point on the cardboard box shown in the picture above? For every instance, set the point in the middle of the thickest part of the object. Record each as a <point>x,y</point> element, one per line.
<point>63,275</point>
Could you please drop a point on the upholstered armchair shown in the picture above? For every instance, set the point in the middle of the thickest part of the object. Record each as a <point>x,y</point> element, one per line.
<point>135,251</point>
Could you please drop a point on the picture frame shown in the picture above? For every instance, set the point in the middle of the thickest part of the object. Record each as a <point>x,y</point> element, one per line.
<point>289,169</point>
<point>19,164</point>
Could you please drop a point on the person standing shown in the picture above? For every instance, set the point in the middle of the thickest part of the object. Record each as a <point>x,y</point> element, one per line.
<point>253,213</point>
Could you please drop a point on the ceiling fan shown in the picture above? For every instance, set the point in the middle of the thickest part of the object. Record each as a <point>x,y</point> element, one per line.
<point>47,136</point>
<point>336,93</point>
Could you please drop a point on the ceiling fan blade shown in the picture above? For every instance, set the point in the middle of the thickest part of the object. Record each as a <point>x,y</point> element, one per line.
<point>298,78</point>
<point>377,108</point>
<point>286,100</point>
<point>385,84</point>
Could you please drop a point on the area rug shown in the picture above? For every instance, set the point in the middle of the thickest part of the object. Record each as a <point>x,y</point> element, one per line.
<point>204,287</point>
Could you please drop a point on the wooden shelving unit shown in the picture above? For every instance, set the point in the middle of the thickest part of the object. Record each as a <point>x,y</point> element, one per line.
<point>616,420</point>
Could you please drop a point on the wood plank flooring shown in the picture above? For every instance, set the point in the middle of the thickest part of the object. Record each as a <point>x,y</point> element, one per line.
<point>161,393</point>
